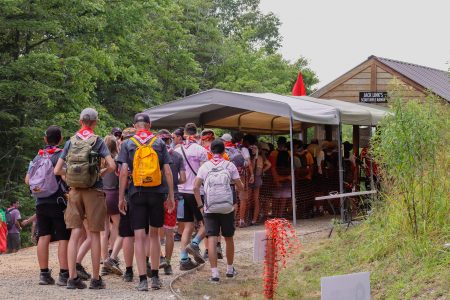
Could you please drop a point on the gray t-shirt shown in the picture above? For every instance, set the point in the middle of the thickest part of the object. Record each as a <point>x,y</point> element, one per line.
<point>176,166</point>
<point>126,155</point>
<point>99,147</point>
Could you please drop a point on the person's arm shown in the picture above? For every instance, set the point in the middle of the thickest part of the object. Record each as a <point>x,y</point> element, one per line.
<point>59,168</point>
<point>110,166</point>
<point>239,185</point>
<point>123,183</point>
<point>169,180</point>
<point>267,165</point>
<point>197,184</point>
<point>252,175</point>
<point>182,177</point>
<point>27,179</point>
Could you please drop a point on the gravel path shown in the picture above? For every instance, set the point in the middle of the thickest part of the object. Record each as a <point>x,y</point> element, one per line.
<point>19,272</point>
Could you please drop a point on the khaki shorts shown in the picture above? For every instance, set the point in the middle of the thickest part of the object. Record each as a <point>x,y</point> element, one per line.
<point>86,204</point>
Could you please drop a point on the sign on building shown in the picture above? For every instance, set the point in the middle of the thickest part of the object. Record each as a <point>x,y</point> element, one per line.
<point>373,97</point>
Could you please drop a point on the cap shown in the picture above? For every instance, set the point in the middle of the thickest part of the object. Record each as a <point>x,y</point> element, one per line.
<point>128,132</point>
<point>264,146</point>
<point>53,134</point>
<point>141,117</point>
<point>164,134</point>
<point>89,114</point>
<point>226,137</point>
<point>116,130</point>
<point>190,129</point>
<point>207,134</point>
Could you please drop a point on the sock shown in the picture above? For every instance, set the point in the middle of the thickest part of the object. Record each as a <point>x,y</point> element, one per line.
<point>147,259</point>
<point>142,277</point>
<point>215,272</point>
<point>63,271</point>
<point>230,268</point>
<point>168,261</point>
<point>44,270</point>
<point>196,240</point>
<point>218,244</point>
<point>184,255</point>
<point>129,270</point>
<point>155,273</point>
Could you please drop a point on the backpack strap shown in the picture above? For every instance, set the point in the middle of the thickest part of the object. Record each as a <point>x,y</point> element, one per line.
<point>187,161</point>
<point>152,141</point>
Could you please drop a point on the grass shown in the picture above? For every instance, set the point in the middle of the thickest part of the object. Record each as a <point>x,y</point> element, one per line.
<point>398,274</point>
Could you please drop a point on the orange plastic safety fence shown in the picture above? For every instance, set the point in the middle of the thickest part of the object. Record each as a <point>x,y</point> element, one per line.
<point>282,242</point>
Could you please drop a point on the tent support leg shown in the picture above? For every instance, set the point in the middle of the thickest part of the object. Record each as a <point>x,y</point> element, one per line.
<point>294,207</point>
<point>341,171</point>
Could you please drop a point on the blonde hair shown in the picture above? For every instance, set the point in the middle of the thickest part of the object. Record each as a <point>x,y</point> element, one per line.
<point>111,143</point>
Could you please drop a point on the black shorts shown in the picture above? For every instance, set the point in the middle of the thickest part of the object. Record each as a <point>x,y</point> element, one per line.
<point>219,224</point>
<point>191,210</point>
<point>125,229</point>
<point>146,209</point>
<point>50,221</point>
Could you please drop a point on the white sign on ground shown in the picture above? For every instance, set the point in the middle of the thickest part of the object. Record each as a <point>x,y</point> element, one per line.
<point>354,286</point>
<point>259,246</point>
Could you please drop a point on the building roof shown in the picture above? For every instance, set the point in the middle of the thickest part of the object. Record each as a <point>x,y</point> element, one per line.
<point>435,80</point>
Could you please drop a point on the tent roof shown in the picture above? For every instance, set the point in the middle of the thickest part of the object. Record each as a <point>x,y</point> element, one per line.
<point>259,112</point>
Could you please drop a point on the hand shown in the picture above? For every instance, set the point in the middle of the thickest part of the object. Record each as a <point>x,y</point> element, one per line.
<point>170,204</point>
<point>202,211</point>
<point>123,206</point>
<point>252,179</point>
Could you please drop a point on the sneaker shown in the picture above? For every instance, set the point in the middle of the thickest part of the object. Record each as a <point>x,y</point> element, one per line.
<point>97,284</point>
<point>156,283</point>
<point>81,273</point>
<point>112,266</point>
<point>128,277</point>
<point>162,262</point>
<point>187,264</point>
<point>219,252</point>
<point>205,255</point>
<point>177,237</point>
<point>104,271</point>
<point>214,280</point>
<point>194,250</point>
<point>75,284</point>
<point>62,279</point>
<point>45,278</point>
<point>168,270</point>
<point>142,286</point>
<point>149,270</point>
<point>232,274</point>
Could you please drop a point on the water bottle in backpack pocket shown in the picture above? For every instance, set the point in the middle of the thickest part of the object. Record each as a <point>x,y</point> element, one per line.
<point>180,208</point>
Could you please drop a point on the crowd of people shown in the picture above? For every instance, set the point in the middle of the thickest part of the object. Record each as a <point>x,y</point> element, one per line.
<point>138,192</point>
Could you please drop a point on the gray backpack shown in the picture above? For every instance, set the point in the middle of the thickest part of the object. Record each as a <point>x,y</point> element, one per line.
<point>42,180</point>
<point>218,192</point>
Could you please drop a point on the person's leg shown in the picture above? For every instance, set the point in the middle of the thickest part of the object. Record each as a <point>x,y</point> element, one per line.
<point>128,250</point>
<point>114,232</point>
<point>229,241</point>
<point>186,238</point>
<point>85,246</point>
<point>104,241</point>
<point>42,251</point>
<point>95,253</point>
<point>72,252</point>
<point>155,248</point>
<point>212,255</point>
<point>169,244</point>
<point>243,199</point>
<point>140,239</point>
<point>62,254</point>
<point>257,204</point>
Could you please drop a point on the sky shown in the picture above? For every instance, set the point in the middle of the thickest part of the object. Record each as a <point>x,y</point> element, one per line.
<point>337,35</point>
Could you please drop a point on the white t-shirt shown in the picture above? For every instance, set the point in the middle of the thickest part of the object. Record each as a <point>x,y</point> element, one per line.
<point>196,155</point>
<point>245,153</point>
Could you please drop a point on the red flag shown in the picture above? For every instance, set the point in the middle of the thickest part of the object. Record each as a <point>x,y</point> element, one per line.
<point>299,86</point>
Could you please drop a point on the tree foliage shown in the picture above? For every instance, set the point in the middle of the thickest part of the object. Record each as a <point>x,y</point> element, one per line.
<point>58,56</point>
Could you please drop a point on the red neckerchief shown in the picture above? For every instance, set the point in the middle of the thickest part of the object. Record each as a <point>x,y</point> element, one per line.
<point>217,159</point>
<point>48,150</point>
<point>190,139</point>
<point>143,136</point>
<point>208,148</point>
<point>85,132</point>
<point>229,144</point>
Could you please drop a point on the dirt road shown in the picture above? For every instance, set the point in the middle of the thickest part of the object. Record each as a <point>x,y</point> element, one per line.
<point>19,273</point>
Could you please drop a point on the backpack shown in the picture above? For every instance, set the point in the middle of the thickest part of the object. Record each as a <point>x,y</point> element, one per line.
<point>146,168</point>
<point>218,192</point>
<point>283,163</point>
<point>9,219</point>
<point>236,157</point>
<point>82,163</point>
<point>42,180</point>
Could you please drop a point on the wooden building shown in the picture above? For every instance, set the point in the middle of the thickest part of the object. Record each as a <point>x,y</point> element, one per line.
<point>369,81</point>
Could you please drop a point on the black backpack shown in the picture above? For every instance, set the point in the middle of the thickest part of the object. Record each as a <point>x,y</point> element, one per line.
<point>9,219</point>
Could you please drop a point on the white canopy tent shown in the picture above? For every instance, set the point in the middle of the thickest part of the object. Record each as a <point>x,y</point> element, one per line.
<point>264,113</point>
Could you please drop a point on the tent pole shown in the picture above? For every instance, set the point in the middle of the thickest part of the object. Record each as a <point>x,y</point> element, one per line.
<point>341,170</point>
<point>294,208</point>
